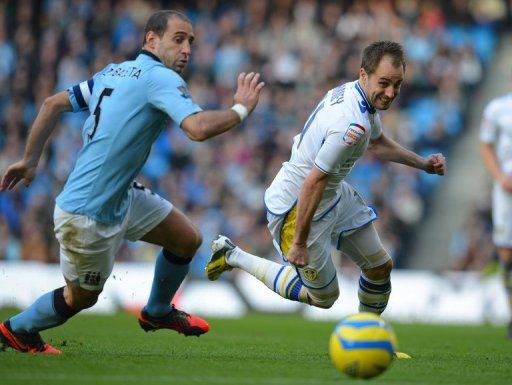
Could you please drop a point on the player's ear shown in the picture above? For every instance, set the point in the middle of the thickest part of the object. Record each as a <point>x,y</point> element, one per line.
<point>151,39</point>
<point>363,75</point>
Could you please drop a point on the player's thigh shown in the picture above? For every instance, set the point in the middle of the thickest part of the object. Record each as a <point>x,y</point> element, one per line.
<point>155,220</point>
<point>176,233</point>
<point>87,249</point>
<point>319,276</point>
<point>364,247</point>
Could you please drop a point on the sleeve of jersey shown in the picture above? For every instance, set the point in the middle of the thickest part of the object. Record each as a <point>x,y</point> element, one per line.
<point>336,149</point>
<point>169,93</point>
<point>80,95</point>
<point>488,129</point>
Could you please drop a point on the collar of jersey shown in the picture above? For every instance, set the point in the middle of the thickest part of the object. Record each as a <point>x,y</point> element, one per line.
<point>371,109</point>
<point>152,56</point>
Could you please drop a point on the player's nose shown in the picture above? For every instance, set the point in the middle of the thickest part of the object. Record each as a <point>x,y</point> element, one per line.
<point>186,48</point>
<point>390,93</point>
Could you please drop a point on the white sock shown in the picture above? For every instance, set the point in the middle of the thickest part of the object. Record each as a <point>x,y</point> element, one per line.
<point>373,294</point>
<point>282,279</point>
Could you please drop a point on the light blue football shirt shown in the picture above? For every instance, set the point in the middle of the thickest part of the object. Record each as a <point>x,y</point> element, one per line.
<point>130,103</point>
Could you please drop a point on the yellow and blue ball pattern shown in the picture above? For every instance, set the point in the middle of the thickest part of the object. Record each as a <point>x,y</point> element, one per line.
<point>362,345</point>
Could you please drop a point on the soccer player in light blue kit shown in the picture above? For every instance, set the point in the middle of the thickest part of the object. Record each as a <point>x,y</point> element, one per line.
<point>100,205</point>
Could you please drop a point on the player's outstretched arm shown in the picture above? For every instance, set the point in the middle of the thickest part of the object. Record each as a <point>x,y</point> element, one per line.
<point>387,149</point>
<point>43,126</point>
<point>206,124</point>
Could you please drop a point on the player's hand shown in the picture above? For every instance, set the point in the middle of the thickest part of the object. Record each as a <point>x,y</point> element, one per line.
<point>435,164</point>
<point>506,183</point>
<point>248,90</point>
<point>17,172</point>
<point>298,255</point>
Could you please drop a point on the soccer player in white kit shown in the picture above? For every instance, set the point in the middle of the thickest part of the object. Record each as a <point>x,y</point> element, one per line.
<point>310,207</point>
<point>496,148</point>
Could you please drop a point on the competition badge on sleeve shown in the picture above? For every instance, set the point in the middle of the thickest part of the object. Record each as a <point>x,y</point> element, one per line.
<point>353,134</point>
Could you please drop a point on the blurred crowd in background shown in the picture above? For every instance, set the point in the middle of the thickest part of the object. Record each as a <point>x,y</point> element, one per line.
<point>302,49</point>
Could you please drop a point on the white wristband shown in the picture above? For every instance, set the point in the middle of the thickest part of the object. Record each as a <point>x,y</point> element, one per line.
<point>241,110</point>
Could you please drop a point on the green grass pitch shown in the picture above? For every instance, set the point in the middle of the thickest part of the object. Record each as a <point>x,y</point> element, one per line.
<point>258,349</point>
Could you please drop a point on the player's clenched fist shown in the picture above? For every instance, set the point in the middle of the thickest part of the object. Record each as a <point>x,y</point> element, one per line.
<point>248,90</point>
<point>436,164</point>
<point>298,255</point>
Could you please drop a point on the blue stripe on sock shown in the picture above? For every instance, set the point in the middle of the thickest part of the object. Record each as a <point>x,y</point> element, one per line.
<point>285,294</point>
<point>366,290</point>
<point>380,287</point>
<point>294,294</point>
<point>277,277</point>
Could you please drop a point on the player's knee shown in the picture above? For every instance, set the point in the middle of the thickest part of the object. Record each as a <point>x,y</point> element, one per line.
<point>80,299</point>
<point>199,240</point>
<point>380,272</point>
<point>191,244</point>
<point>323,301</point>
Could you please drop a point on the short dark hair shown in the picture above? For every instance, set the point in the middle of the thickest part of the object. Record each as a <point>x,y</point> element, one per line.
<point>373,54</point>
<point>158,22</point>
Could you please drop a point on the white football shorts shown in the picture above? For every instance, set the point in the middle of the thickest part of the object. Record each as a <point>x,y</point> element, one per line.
<point>502,217</point>
<point>346,218</point>
<point>88,248</point>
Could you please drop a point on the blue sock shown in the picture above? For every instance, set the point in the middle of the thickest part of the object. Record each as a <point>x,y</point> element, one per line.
<point>46,312</point>
<point>170,271</point>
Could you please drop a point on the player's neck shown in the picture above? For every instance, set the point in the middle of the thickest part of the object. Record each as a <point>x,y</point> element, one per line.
<point>151,53</point>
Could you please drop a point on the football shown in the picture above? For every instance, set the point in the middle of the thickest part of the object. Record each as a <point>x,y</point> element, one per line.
<point>362,345</point>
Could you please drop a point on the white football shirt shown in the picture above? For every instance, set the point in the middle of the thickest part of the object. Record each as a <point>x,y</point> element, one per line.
<point>334,137</point>
<point>496,128</point>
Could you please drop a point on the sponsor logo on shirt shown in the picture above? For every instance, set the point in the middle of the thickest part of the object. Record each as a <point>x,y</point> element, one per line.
<point>353,134</point>
<point>184,92</point>
<point>363,106</point>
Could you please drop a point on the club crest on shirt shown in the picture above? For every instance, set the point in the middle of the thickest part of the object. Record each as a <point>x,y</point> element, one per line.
<point>353,134</point>
<point>310,274</point>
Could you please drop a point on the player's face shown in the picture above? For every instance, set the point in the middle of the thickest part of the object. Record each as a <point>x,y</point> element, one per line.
<point>175,46</point>
<point>383,86</point>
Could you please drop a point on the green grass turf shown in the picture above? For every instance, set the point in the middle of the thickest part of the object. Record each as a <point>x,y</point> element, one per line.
<point>258,349</point>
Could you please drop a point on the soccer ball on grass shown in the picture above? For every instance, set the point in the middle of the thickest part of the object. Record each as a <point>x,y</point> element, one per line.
<point>362,345</point>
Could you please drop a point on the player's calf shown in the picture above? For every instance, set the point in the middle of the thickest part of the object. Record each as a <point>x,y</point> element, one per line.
<point>78,298</point>
<point>375,288</point>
